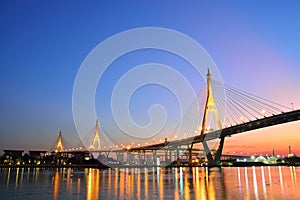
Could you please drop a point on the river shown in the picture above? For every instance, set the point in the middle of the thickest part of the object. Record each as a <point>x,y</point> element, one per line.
<point>278,182</point>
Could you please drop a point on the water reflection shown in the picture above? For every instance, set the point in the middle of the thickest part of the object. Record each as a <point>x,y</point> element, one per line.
<point>56,185</point>
<point>92,185</point>
<point>158,183</point>
<point>264,182</point>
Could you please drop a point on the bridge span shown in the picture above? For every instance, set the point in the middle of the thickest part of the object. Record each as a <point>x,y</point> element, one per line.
<point>219,134</point>
<point>239,102</point>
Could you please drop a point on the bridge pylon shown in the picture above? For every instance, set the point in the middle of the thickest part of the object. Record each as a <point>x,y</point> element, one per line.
<point>96,142</point>
<point>211,107</point>
<point>59,145</point>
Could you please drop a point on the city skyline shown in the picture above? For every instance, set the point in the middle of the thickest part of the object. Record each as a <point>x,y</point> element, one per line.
<point>255,47</point>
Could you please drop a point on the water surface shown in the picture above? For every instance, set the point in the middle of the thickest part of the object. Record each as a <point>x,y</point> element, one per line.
<point>158,183</point>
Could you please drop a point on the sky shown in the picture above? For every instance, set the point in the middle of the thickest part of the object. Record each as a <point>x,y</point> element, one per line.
<point>254,44</point>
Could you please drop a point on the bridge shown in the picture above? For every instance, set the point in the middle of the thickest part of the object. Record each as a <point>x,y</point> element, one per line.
<point>246,112</point>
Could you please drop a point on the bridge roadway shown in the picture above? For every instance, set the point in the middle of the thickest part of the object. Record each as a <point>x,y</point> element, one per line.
<point>240,128</point>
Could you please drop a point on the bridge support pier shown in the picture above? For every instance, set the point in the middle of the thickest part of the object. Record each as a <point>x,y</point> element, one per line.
<point>190,151</point>
<point>219,151</point>
<point>177,157</point>
<point>129,158</point>
<point>120,158</point>
<point>166,156</point>
<point>154,158</point>
<point>214,161</point>
<point>207,152</point>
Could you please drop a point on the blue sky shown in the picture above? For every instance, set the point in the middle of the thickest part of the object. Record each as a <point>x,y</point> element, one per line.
<point>255,45</point>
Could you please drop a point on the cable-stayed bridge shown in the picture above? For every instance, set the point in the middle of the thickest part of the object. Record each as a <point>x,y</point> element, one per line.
<point>244,112</point>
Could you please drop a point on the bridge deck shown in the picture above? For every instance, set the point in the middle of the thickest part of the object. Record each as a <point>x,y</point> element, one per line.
<point>240,128</point>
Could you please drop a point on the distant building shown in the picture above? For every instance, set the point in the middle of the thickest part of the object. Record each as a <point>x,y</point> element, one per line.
<point>13,153</point>
<point>36,154</point>
<point>12,156</point>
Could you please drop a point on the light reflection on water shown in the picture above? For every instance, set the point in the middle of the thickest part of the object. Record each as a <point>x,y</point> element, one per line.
<point>141,183</point>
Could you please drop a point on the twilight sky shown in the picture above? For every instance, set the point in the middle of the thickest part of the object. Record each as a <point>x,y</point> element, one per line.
<point>255,45</point>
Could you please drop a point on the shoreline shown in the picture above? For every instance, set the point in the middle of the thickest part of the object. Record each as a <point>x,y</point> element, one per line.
<point>142,166</point>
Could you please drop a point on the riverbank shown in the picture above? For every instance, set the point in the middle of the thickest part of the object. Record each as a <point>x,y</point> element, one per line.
<point>103,166</point>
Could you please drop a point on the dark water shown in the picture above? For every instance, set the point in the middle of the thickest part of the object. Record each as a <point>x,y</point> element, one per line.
<point>176,183</point>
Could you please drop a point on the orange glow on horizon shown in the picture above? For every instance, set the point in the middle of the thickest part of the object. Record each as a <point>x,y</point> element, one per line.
<point>264,140</point>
